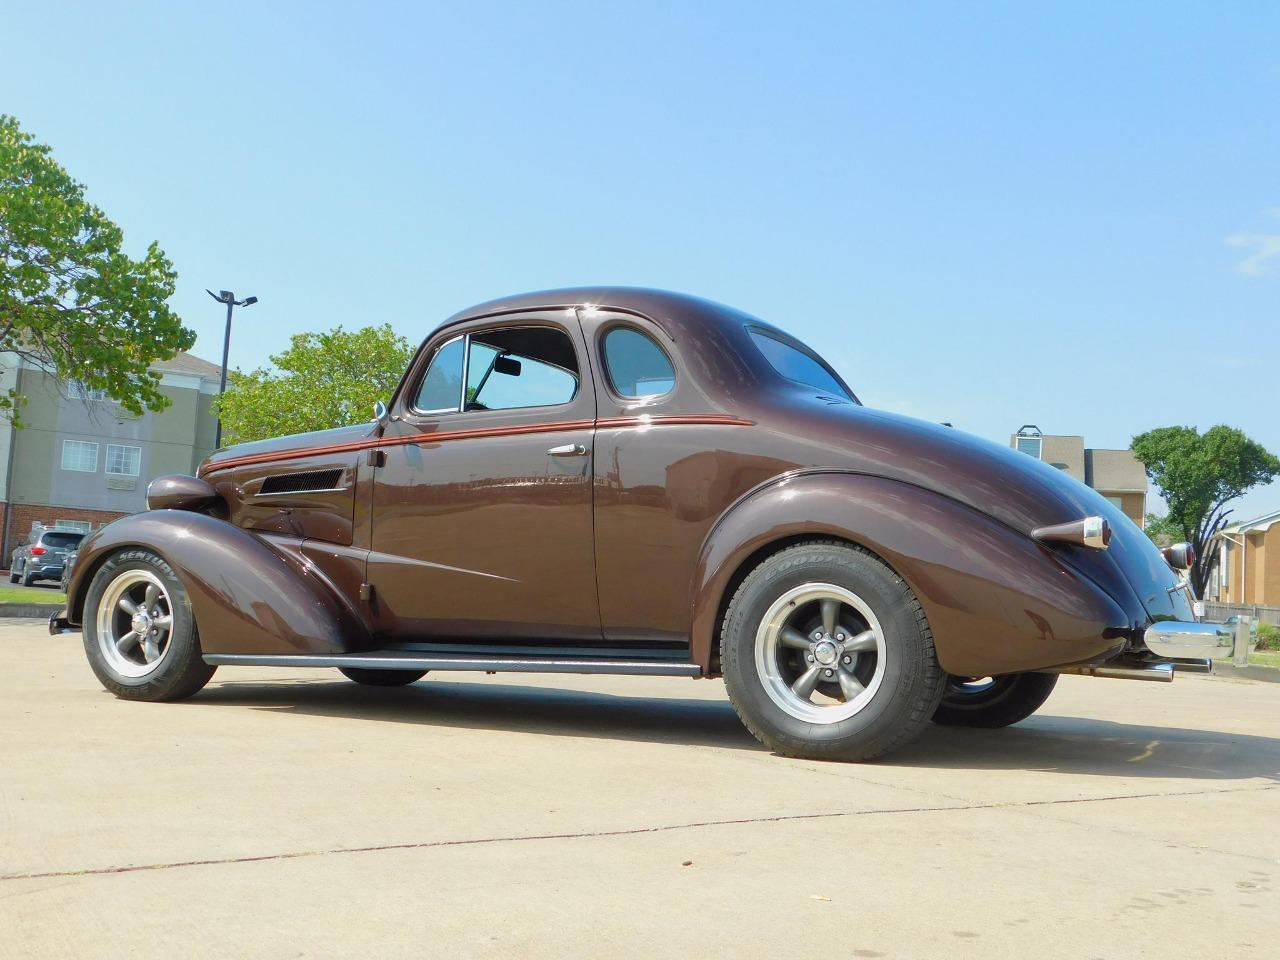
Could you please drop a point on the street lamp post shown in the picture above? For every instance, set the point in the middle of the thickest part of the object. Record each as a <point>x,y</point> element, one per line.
<point>229,298</point>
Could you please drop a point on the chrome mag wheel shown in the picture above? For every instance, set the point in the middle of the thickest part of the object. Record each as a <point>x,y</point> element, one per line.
<point>820,653</point>
<point>135,623</point>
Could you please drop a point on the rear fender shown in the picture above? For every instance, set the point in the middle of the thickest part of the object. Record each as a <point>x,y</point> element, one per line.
<point>997,601</point>
<point>247,594</point>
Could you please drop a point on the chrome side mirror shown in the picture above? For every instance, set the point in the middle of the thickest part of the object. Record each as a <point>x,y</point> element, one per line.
<point>379,411</point>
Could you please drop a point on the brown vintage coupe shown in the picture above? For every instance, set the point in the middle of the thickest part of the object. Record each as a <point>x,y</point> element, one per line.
<point>628,481</point>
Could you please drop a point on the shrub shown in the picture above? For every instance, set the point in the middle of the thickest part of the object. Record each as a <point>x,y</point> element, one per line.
<point>1268,636</point>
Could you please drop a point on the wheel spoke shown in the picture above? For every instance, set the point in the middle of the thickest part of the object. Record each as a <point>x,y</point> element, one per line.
<point>128,606</point>
<point>150,649</point>
<point>164,622</point>
<point>850,685</point>
<point>804,685</point>
<point>793,638</point>
<point>126,641</point>
<point>862,643</point>
<point>830,611</point>
<point>153,595</point>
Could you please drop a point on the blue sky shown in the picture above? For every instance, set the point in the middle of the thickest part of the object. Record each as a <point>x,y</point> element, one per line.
<point>992,214</point>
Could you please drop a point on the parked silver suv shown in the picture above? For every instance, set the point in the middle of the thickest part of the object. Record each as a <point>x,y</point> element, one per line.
<point>43,556</point>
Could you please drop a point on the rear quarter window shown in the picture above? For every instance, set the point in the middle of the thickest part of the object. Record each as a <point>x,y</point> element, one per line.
<point>635,365</point>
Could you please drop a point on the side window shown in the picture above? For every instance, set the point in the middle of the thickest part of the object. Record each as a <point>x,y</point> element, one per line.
<point>441,388</point>
<point>636,366</point>
<point>521,367</point>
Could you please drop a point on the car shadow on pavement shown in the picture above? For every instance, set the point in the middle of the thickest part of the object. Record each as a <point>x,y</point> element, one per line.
<point>1084,745</point>
<point>1044,743</point>
<point>512,707</point>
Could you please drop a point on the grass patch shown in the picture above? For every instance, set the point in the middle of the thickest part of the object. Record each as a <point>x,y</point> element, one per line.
<point>29,595</point>
<point>1265,658</point>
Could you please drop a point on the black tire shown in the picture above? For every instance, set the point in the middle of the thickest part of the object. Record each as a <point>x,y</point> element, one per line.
<point>13,576</point>
<point>27,578</point>
<point>998,703</point>
<point>382,678</point>
<point>179,671</point>
<point>910,682</point>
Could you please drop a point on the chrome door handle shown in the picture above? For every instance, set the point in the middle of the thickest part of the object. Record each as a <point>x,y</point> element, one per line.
<point>568,450</point>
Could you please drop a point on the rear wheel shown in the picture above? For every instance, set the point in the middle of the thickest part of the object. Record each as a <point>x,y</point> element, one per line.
<point>993,701</point>
<point>139,632</point>
<point>382,678</point>
<point>27,578</point>
<point>826,654</point>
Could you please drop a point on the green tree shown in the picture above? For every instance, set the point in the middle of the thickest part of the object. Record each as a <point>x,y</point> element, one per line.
<point>71,301</point>
<point>1199,475</point>
<point>322,380</point>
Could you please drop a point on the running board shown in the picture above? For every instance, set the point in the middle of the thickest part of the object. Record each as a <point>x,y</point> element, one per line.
<point>395,660</point>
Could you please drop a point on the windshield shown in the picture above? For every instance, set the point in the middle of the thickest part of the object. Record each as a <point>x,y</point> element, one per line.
<point>797,362</point>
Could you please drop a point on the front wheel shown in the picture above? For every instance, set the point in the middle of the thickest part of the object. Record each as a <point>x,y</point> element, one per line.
<point>139,632</point>
<point>993,701</point>
<point>827,654</point>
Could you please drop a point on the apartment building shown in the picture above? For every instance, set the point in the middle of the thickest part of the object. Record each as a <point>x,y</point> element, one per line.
<point>1248,568</point>
<point>1116,474</point>
<point>81,461</point>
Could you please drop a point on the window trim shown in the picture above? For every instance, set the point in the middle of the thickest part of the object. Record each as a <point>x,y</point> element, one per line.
<point>460,407</point>
<point>62,460</point>
<point>116,473</point>
<point>755,329</point>
<point>626,324</point>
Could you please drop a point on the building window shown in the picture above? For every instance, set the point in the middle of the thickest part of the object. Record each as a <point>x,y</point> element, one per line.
<point>1030,441</point>
<point>1031,446</point>
<point>1117,502</point>
<point>123,461</point>
<point>82,526</point>
<point>81,391</point>
<point>80,455</point>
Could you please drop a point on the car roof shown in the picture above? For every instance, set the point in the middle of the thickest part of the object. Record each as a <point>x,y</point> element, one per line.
<point>676,313</point>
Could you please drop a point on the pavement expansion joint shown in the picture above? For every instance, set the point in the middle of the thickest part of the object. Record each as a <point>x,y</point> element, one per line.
<point>623,832</point>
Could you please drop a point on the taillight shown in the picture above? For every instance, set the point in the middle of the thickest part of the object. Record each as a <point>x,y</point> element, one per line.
<point>38,551</point>
<point>1181,556</point>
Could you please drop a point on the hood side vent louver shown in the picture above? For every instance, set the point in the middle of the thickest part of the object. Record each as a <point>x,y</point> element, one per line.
<point>311,480</point>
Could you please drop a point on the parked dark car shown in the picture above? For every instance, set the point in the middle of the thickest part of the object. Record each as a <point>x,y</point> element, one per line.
<point>43,556</point>
<point>635,482</point>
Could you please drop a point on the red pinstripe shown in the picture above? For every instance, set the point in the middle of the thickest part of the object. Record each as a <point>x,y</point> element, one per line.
<point>444,436</point>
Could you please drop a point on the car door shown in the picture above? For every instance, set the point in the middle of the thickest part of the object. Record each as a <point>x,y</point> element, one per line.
<point>482,502</point>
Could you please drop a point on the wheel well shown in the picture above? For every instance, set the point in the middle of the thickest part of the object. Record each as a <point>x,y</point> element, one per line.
<point>75,611</point>
<point>753,560</point>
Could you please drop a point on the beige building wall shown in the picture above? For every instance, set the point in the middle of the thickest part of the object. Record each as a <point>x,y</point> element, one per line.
<point>1255,580</point>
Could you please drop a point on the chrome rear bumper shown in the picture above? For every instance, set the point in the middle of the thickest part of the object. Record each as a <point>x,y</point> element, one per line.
<point>1179,640</point>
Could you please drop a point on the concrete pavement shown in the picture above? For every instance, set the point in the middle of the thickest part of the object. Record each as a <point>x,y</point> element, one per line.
<point>290,813</point>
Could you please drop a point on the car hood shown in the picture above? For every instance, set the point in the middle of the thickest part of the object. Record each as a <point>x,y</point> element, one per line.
<point>1018,490</point>
<point>264,450</point>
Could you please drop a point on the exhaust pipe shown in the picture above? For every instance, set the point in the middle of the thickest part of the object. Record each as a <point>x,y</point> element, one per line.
<point>1159,672</point>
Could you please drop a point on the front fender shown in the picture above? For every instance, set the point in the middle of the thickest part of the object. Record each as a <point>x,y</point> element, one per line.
<point>997,601</point>
<point>247,596</point>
